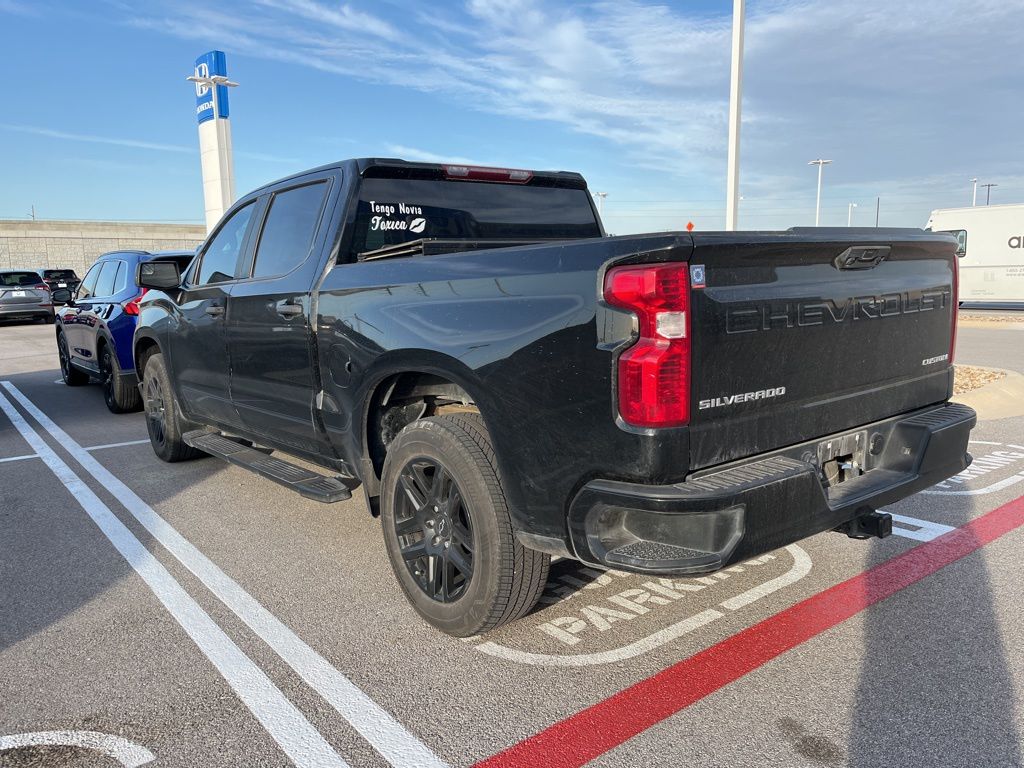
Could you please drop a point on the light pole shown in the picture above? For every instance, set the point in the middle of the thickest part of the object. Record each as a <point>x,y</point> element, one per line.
<point>732,181</point>
<point>817,207</point>
<point>974,192</point>
<point>988,192</point>
<point>849,214</point>
<point>600,201</point>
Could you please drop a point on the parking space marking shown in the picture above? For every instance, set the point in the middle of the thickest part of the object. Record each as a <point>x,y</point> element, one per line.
<point>800,568</point>
<point>127,753</point>
<point>997,486</point>
<point>389,737</point>
<point>919,530</point>
<point>116,445</point>
<point>598,729</point>
<point>20,458</point>
<point>296,736</point>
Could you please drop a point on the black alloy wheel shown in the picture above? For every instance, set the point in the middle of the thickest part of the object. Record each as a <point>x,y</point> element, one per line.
<point>107,378</point>
<point>71,375</point>
<point>435,530</point>
<point>156,413</point>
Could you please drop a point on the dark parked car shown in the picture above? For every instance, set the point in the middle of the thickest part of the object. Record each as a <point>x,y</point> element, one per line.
<point>59,278</point>
<point>24,296</point>
<point>509,384</point>
<point>95,328</point>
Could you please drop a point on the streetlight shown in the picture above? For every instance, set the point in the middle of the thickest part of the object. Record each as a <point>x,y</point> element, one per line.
<point>988,192</point>
<point>211,82</point>
<point>732,179</point>
<point>600,201</point>
<point>849,214</point>
<point>974,193</point>
<point>817,208</point>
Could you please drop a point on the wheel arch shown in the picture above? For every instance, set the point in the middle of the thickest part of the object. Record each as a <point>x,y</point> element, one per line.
<point>399,396</point>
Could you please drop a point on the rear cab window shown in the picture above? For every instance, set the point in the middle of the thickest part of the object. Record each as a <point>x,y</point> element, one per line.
<point>392,211</point>
<point>59,274</point>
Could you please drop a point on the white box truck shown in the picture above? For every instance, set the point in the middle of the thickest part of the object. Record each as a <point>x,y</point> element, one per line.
<point>991,247</point>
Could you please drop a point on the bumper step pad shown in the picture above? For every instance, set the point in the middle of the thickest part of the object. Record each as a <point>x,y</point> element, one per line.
<point>310,485</point>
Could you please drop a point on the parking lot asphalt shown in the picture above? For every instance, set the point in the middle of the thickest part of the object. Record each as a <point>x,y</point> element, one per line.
<point>194,614</point>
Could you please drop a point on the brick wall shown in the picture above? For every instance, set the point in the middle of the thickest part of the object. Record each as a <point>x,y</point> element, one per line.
<point>76,244</point>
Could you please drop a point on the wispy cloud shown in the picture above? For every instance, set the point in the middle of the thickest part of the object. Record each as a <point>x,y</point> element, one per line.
<point>51,133</point>
<point>16,8</point>
<point>888,90</point>
<point>425,156</point>
<point>118,142</point>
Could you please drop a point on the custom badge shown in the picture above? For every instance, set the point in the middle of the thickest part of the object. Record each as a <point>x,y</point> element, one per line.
<point>696,275</point>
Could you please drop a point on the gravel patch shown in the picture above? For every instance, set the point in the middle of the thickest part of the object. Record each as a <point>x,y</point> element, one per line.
<point>968,377</point>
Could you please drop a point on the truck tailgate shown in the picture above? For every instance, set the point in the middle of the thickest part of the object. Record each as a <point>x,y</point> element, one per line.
<point>814,331</point>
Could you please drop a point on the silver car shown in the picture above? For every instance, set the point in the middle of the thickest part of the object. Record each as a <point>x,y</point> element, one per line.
<point>24,296</point>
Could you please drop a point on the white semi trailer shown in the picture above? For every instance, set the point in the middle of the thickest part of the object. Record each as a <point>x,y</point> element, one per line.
<point>991,246</point>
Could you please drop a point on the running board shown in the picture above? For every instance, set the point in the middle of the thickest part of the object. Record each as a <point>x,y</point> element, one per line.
<point>307,484</point>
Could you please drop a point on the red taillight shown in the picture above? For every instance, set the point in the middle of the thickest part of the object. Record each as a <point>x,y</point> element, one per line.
<point>956,306</point>
<point>132,307</point>
<point>479,173</point>
<point>41,287</point>
<point>654,373</point>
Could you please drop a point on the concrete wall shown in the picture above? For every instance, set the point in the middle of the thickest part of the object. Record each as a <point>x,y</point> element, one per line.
<point>76,244</point>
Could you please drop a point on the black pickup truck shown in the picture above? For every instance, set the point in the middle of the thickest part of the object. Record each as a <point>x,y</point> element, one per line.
<point>507,383</point>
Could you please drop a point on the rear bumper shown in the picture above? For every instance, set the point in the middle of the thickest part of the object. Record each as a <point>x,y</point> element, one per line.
<point>718,517</point>
<point>29,309</point>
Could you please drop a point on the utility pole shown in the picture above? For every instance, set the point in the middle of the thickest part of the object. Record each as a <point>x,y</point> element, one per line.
<point>988,192</point>
<point>732,179</point>
<point>817,207</point>
<point>600,201</point>
<point>974,193</point>
<point>33,213</point>
<point>849,214</point>
<point>878,208</point>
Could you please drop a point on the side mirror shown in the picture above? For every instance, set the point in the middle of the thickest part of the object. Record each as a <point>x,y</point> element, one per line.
<point>158,275</point>
<point>61,296</point>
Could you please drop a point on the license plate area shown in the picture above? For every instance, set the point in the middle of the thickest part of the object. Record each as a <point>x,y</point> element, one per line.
<point>842,458</point>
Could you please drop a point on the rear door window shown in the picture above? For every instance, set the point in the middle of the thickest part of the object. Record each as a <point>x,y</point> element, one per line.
<point>121,278</point>
<point>289,229</point>
<point>105,282</point>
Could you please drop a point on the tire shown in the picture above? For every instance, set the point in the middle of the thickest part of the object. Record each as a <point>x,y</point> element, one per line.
<point>49,319</point>
<point>470,519</point>
<point>71,375</point>
<point>120,396</point>
<point>163,417</point>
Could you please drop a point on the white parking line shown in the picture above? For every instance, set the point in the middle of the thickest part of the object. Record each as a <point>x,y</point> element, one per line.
<point>800,568</point>
<point>394,743</point>
<point>998,486</point>
<point>919,530</point>
<point>116,445</point>
<point>127,753</point>
<point>286,725</point>
<point>20,458</point>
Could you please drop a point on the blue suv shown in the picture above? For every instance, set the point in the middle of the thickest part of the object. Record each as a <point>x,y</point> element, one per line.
<point>97,323</point>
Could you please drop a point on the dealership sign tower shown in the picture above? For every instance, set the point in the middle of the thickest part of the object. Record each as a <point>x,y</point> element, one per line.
<point>211,81</point>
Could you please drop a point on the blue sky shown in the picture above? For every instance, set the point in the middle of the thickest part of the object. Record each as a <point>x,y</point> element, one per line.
<point>909,99</point>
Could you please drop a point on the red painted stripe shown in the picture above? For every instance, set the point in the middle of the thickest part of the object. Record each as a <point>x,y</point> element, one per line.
<point>591,732</point>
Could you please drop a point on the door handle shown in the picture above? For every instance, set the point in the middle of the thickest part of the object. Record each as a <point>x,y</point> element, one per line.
<point>214,311</point>
<point>288,310</point>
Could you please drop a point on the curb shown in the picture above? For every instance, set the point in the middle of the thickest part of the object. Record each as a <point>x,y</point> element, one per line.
<point>1002,399</point>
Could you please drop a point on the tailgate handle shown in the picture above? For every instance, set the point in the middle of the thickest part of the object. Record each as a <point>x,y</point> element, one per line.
<point>862,257</point>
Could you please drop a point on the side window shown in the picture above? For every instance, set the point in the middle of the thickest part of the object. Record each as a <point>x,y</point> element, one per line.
<point>221,256</point>
<point>961,242</point>
<point>289,229</point>
<point>121,278</point>
<point>85,289</point>
<point>105,283</point>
